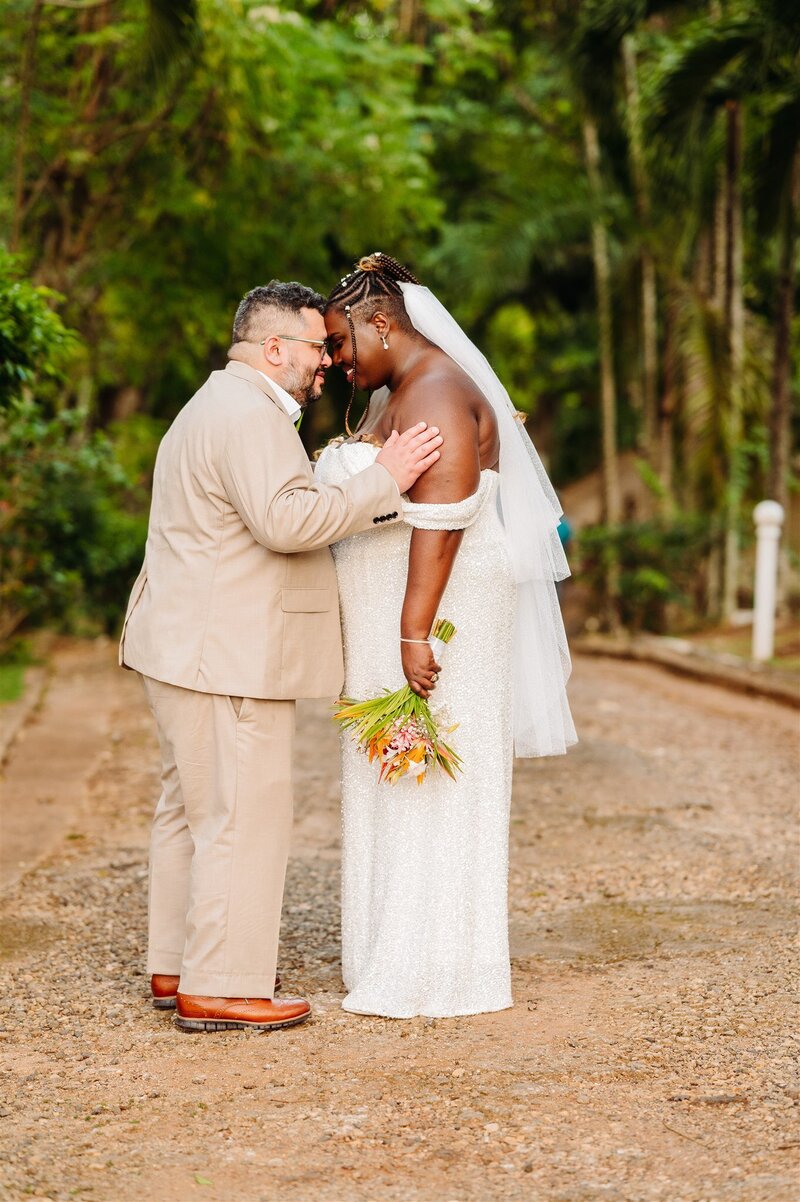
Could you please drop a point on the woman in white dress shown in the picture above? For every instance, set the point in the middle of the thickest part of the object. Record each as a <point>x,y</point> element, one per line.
<point>425,868</point>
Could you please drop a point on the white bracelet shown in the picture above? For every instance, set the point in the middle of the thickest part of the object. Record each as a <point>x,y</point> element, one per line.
<point>402,640</point>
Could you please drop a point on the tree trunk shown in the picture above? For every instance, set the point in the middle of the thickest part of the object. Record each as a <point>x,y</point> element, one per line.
<point>608,391</point>
<point>720,244</point>
<point>780,414</point>
<point>734,319</point>
<point>649,301</point>
<point>780,418</point>
<point>649,342</point>
<point>668,403</point>
<point>406,20</point>
<point>27,73</point>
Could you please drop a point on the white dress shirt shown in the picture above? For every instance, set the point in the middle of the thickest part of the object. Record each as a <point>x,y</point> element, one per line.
<point>289,403</point>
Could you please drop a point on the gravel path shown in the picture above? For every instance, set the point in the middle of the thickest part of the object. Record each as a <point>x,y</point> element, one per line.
<point>651,1055</point>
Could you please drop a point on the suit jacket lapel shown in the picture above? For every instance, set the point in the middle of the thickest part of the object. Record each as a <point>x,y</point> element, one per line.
<point>245,372</point>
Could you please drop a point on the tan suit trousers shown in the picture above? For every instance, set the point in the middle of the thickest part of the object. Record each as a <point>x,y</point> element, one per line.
<point>220,839</point>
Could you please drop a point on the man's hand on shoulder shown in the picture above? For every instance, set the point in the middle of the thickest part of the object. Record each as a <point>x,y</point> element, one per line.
<point>456,474</point>
<point>406,456</point>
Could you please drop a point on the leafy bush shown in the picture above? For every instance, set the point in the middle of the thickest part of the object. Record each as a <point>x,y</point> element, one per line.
<point>36,348</point>
<point>71,527</point>
<point>662,568</point>
<point>68,547</point>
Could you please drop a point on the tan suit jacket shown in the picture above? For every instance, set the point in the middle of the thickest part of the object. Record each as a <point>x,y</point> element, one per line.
<point>237,594</point>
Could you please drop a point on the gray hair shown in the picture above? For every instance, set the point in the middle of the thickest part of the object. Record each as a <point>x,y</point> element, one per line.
<point>274,299</point>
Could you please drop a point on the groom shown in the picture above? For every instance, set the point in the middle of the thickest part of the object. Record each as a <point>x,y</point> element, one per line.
<point>234,615</point>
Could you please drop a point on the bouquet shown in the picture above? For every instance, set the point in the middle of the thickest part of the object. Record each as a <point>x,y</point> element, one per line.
<point>398,730</point>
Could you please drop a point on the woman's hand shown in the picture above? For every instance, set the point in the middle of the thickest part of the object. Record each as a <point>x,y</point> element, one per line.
<point>420,668</point>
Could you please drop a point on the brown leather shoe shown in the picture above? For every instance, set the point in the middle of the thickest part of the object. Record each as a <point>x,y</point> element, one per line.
<point>239,1013</point>
<point>165,989</point>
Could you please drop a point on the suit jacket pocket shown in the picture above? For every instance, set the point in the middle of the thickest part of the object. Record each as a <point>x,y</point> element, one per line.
<point>307,600</point>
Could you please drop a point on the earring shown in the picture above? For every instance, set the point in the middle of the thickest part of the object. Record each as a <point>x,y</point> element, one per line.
<point>385,343</point>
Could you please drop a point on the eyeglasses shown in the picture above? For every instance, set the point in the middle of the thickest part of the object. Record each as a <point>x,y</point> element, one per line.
<point>323,345</point>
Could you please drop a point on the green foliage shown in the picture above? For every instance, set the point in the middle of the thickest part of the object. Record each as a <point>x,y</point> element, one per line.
<point>168,157</point>
<point>68,542</point>
<point>661,569</point>
<point>14,659</point>
<point>36,348</point>
<point>276,144</point>
<point>68,547</point>
<point>12,680</point>
<point>135,442</point>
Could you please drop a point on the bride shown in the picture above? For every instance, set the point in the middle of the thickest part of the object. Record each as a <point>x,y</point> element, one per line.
<point>425,868</point>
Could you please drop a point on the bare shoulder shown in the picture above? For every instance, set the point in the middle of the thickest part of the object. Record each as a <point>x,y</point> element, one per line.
<point>443,392</point>
<point>442,395</point>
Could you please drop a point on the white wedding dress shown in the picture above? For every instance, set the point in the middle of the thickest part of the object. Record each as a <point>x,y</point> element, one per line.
<point>425,867</point>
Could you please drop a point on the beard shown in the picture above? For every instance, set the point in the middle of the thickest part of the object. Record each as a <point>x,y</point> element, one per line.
<point>302,385</point>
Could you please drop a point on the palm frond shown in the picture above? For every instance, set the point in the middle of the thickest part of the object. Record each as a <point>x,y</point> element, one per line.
<point>772,162</point>
<point>784,18</point>
<point>691,73</point>
<point>595,49</point>
<point>705,350</point>
<point>173,29</point>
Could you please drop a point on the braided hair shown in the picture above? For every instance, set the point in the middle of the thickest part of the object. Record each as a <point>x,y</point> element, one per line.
<point>373,285</point>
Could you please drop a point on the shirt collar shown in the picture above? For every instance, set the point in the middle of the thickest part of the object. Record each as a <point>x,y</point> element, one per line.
<point>289,403</point>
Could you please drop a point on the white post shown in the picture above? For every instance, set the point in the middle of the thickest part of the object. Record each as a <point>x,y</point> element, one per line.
<point>768,517</point>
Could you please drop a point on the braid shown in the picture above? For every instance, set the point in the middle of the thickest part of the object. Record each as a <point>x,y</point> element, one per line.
<point>349,317</point>
<point>375,282</point>
<point>376,275</point>
<point>385,265</point>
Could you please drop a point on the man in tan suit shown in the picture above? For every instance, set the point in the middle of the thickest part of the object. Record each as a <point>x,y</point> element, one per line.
<point>234,615</point>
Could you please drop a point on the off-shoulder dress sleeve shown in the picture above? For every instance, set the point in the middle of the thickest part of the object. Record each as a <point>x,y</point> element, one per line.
<point>452,515</point>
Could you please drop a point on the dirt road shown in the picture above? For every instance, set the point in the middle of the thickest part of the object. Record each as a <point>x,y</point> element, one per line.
<point>651,1055</point>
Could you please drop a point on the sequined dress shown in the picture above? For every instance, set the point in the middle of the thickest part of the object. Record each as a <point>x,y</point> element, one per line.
<point>425,868</point>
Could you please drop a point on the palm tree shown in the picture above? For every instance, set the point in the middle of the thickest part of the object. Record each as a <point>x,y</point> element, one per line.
<point>605,52</point>
<point>721,68</point>
<point>608,386</point>
<point>648,284</point>
<point>777,171</point>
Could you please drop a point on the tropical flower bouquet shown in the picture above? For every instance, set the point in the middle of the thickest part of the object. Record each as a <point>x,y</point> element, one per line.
<point>398,730</point>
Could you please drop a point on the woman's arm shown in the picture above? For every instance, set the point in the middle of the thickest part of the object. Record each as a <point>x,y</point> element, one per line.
<point>430,560</point>
<point>432,552</point>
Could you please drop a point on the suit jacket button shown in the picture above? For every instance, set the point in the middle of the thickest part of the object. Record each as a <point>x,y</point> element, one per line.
<point>375,521</point>
<point>394,515</point>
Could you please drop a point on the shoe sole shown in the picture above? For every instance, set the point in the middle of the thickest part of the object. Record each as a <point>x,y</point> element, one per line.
<point>226,1024</point>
